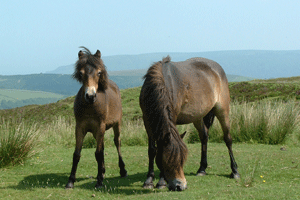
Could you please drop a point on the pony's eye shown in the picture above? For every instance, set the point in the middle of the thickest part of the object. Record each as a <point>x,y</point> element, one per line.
<point>80,74</point>
<point>99,73</point>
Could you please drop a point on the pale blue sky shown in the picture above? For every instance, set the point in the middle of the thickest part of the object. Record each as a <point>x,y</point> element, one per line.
<point>39,36</point>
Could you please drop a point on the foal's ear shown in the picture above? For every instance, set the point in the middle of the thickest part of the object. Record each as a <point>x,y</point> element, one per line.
<point>98,54</point>
<point>182,135</point>
<point>80,54</point>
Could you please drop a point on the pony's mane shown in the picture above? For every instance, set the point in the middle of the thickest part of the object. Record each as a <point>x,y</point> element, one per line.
<point>161,110</point>
<point>93,60</point>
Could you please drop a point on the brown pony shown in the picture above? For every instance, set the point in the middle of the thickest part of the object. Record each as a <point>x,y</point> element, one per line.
<point>97,107</point>
<point>192,91</point>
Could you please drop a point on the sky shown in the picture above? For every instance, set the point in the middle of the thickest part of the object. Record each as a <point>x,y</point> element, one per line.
<point>38,36</point>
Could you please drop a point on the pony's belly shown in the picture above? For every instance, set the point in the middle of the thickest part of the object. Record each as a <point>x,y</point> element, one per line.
<point>186,118</point>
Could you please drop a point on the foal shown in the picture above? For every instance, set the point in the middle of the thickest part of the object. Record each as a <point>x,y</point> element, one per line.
<point>97,108</point>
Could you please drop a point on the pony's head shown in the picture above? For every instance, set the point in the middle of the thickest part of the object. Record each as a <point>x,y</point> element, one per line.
<point>171,158</point>
<point>91,73</point>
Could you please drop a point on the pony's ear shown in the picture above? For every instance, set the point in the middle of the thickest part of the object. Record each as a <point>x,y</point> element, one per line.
<point>98,54</point>
<point>80,54</point>
<point>182,135</point>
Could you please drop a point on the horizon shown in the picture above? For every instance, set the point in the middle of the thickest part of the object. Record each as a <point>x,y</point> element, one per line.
<point>39,36</point>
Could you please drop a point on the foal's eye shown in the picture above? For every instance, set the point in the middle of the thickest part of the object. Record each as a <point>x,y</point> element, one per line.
<point>99,73</point>
<point>80,74</point>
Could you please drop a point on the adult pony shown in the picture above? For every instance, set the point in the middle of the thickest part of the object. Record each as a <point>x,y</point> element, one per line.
<point>192,91</point>
<point>97,107</point>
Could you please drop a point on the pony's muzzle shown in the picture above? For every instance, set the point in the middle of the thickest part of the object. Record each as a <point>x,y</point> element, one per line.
<point>177,185</point>
<point>90,94</point>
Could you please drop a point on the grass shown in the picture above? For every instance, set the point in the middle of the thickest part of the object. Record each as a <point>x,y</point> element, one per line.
<point>16,143</point>
<point>266,171</point>
<point>14,94</point>
<point>272,89</point>
<point>263,122</point>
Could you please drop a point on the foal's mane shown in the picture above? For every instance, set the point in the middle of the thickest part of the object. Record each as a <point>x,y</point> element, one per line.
<point>85,57</point>
<point>161,109</point>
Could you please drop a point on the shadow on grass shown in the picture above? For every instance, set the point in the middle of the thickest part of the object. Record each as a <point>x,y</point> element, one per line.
<point>130,185</point>
<point>210,174</point>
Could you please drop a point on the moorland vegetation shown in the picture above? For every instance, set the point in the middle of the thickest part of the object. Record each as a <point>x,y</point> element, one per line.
<point>263,112</point>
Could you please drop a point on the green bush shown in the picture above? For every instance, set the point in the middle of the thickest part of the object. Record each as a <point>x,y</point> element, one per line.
<point>16,143</point>
<point>266,122</point>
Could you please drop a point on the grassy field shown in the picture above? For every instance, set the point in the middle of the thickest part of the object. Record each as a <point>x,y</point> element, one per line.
<point>272,89</point>
<point>267,171</point>
<point>15,95</point>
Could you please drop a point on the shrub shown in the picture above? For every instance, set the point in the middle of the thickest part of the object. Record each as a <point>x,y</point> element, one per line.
<point>267,122</point>
<point>16,143</point>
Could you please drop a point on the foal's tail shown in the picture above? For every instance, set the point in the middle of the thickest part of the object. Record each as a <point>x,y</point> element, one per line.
<point>209,119</point>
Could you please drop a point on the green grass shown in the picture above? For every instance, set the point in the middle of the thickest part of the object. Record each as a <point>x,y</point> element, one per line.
<point>16,143</point>
<point>15,95</point>
<point>272,89</point>
<point>130,103</point>
<point>266,122</point>
<point>266,172</point>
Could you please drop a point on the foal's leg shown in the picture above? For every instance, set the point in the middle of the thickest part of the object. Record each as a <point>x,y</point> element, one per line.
<point>117,142</point>
<point>99,155</point>
<point>203,134</point>
<point>79,134</point>
<point>223,117</point>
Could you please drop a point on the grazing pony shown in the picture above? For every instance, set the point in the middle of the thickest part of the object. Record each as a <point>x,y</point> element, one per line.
<point>192,91</point>
<point>97,107</point>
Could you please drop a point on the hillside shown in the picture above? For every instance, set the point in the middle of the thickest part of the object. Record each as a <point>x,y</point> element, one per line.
<point>272,89</point>
<point>11,98</point>
<point>284,89</point>
<point>251,63</point>
<point>61,86</point>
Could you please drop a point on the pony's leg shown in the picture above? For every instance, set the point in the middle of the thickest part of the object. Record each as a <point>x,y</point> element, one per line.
<point>99,155</point>
<point>223,117</point>
<point>203,135</point>
<point>148,184</point>
<point>117,142</point>
<point>79,134</point>
<point>161,183</point>
<point>151,155</point>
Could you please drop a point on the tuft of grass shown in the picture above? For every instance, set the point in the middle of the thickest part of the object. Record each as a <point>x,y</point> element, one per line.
<point>16,143</point>
<point>134,133</point>
<point>265,122</point>
<point>60,131</point>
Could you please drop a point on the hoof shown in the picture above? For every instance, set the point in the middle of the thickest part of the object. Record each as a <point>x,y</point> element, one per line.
<point>69,185</point>
<point>235,176</point>
<point>98,185</point>
<point>148,186</point>
<point>161,184</point>
<point>202,173</point>
<point>123,174</point>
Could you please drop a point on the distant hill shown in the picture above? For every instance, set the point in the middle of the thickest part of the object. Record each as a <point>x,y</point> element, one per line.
<point>249,63</point>
<point>58,83</point>
<point>64,84</point>
<point>257,90</point>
